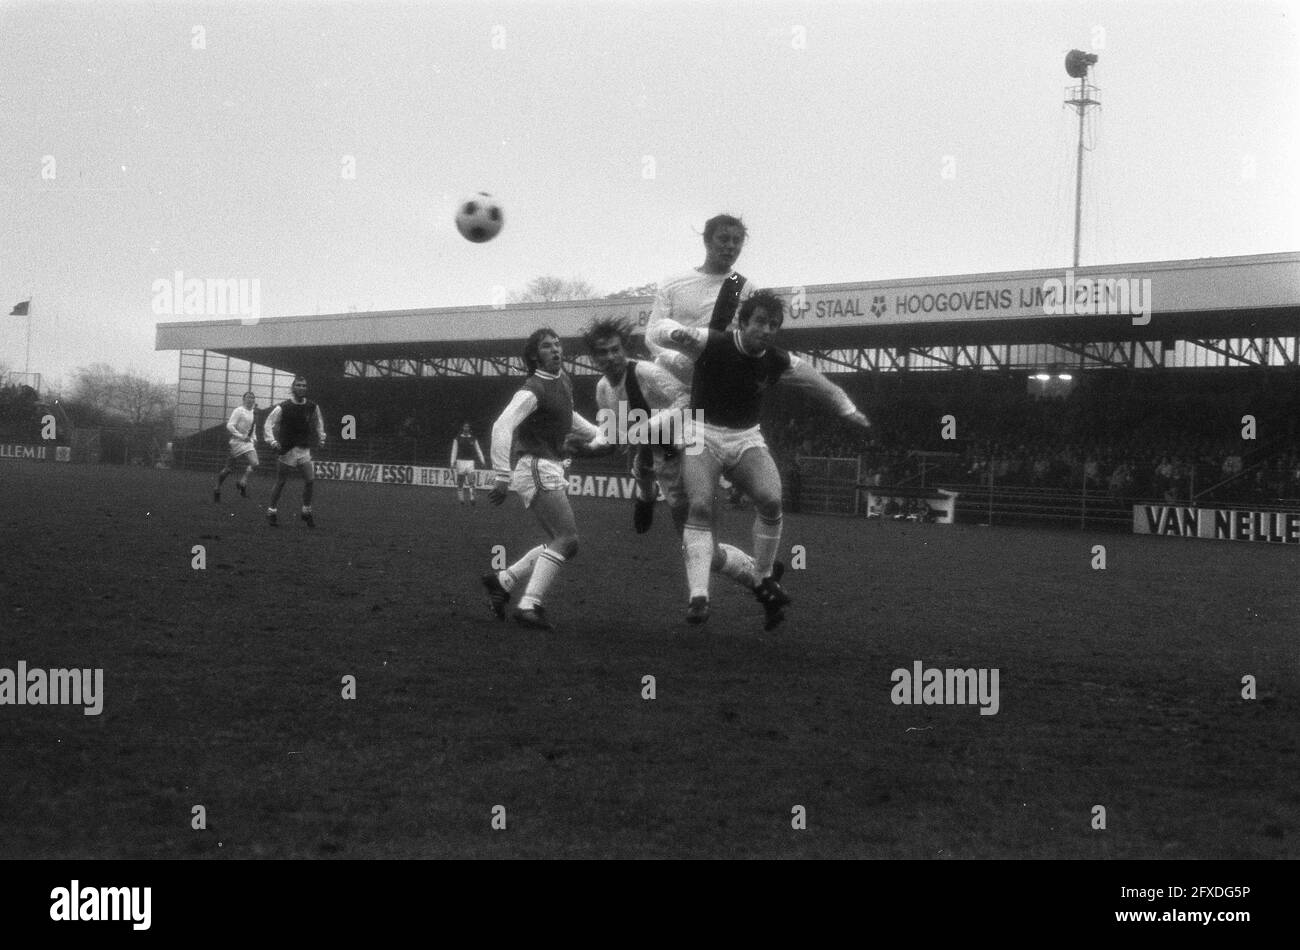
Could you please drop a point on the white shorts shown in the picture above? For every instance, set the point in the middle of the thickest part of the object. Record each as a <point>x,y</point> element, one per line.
<point>728,445</point>
<point>532,475</point>
<point>243,452</point>
<point>296,457</point>
<point>464,466</point>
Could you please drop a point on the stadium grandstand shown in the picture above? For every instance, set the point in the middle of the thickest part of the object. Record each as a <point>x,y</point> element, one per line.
<point>1046,396</point>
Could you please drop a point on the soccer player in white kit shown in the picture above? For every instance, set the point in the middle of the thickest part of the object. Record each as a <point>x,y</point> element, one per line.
<point>242,427</point>
<point>706,296</point>
<point>732,371</point>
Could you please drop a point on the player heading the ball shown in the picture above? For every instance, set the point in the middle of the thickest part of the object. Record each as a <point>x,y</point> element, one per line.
<point>706,296</point>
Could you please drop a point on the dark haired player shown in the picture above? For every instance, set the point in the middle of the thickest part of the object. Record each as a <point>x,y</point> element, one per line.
<point>732,371</point>
<point>292,428</point>
<point>242,427</point>
<point>706,296</point>
<point>528,442</point>
<point>629,384</point>
<point>464,449</point>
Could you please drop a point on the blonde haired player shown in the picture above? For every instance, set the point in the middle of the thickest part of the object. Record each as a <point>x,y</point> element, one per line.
<point>706,296</point>
<point>242,427</point>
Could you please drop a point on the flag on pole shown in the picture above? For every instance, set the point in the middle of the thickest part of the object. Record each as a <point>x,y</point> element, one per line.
<point>20,309</point>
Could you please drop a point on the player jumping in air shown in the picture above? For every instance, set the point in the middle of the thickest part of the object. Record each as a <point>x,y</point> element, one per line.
<point>528,443</point>
<point>706,296</point>
<point>291,429</point>
<point>464,449</point>
<point>242,427</point>
<point>732,370</point>
<point>626,384</point>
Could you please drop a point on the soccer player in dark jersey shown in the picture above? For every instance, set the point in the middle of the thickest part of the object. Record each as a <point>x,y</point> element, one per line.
<point>528,444</point>
<point>628,384</point>
<point>464,449</point>
<point>732,371</point>
<point>292,428</point>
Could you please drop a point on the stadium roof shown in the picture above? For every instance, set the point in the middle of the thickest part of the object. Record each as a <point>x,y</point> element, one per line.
<point>1228,297</point>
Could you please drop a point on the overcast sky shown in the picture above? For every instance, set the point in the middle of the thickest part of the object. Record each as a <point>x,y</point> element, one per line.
<point>863,141</point>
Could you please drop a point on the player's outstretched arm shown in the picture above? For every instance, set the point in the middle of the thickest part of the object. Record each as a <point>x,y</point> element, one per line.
<point>454,446</point>
<point>586,439</point>
<point>802,376</point>
<point>671,335</point>
<point>320,427</point>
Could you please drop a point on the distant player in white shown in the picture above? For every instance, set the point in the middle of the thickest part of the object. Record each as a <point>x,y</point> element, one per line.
<point>292,428</point>
<point>464,449</point>
<point>707,296</point>
<point>242,427</point>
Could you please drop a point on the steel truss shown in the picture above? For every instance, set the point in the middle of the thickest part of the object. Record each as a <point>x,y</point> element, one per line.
<point>1113,354</point>
<point>436,366</point>
<point>1122,354</point>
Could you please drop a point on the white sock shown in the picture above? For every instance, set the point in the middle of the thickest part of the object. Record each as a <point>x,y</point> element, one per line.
<point>697,546</point>
<point>767,540</point>
<point>737,565</point>
<point>544,572</point>
<point>519,572</point>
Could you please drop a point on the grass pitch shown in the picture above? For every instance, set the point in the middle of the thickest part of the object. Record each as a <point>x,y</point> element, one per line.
<point>223,687</point>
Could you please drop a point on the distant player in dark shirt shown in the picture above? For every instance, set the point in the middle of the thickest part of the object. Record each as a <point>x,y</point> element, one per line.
<point>292,429</point>
<point>732,371</point>
<point>528,446</point>
<point>464,449</point>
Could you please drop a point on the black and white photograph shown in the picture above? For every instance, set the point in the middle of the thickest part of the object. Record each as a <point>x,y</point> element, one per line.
<point>650,430</point>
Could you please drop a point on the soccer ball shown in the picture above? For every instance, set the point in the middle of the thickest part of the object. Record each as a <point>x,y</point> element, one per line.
<point>479,218</point>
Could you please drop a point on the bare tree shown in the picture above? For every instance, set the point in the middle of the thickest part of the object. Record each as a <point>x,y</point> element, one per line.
<point>645,290</point>
<point>548,288</point>
<point>135,399</point>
